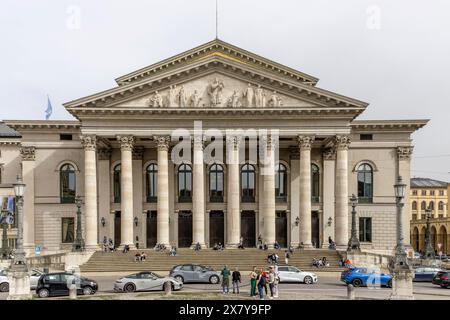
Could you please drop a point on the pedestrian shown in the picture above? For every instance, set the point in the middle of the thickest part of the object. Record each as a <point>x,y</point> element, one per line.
<point>286,257</point>
<point>266,276</point>
<point>253,276</point>
<point>271,281</point>
<point>225,273</point>
<point>143,256</point>
<point>261,282</point>
<point>236,278</point>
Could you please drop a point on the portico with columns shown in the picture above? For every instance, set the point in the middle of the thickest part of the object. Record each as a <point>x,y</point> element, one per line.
<point>296,192</point>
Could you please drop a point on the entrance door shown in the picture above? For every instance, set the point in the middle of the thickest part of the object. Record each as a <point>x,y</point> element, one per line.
<point>216,228</point>
<point>117,229</point>
<point>151,229</point>
<point>315,229</point>
<point>281,228</point>
<point>248,228</point>
<point>184,229</point>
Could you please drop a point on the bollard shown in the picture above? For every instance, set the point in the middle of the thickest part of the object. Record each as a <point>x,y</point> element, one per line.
<point>350,292</point>
<point>168,288</point>
<point>73,291</point>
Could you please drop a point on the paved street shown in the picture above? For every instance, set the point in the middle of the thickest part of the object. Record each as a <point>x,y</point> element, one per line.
<point>329,287</point>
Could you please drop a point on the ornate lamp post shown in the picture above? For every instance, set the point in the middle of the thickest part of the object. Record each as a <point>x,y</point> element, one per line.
<point>19,278</point>
<point>78,244</point>
<point>429,251</point>
<point>353,242</point>
<point>5,247</point>
<point>402,286</point>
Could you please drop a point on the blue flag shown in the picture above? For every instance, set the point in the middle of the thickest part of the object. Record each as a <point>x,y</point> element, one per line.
<point>49,110</point>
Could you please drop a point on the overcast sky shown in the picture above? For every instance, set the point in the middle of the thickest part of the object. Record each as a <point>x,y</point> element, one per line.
<point>394,54</point>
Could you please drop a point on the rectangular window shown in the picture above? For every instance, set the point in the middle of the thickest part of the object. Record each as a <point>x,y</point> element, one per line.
<point>431,192</point>
<point>414,192</point>
<point>366,136</point>
<point>66,137</point>
<point>68,230</point>
<point>424,192</point>
<point>441,192</point>
<point>365,229</point>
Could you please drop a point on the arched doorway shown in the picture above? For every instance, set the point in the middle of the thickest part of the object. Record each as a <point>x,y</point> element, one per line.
<point>415,239</point>
<point>422,239</point>
<point>442,238</point>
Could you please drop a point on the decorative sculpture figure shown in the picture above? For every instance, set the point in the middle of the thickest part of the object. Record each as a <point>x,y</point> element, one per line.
<point>234,102</point>
<point>215,92</point>
<point>195,99</point>
<point>182,97</point>
<point>172,96</point>
<point>248,95</point>
<point>275,100</point>
<point>156,101</point>
<point>260,97</point>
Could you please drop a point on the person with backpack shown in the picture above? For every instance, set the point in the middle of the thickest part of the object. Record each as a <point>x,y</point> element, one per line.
<point>261,282</point>
<point>236,278</point>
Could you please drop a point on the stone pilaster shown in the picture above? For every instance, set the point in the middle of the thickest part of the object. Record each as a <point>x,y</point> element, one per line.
<point>89,143</point>
<point>126,195</point>
<point>198,201</point>
<point>162,144</point>
<point>28,155</point>
<point>305,144</point>
<point>233,218</point>
<point>404,170</point>
<point>268,176</point>
<point>341,191</point>
<point>328,178</point>
<point>294,196</point>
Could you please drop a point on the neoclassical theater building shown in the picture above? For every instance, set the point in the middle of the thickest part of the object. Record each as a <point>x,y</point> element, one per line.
<point>117,155</point>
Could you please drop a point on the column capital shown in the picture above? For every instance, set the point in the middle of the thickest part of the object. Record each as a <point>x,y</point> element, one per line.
<point>198,141</point>
<point>28,153</point>
<point>234,141</point>
<point>126,142</point>
<point>89,142</point>
<point>104,153</point>
<point>138,153</point>
<point>404,153</point>
<point>162,142</point>
<point>305,142</point>
<point>342,142</point>
<point>269,141</point>
<point>329,154</point>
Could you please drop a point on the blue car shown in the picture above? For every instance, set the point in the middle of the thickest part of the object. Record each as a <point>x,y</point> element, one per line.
<point>426,274</point>
<point>359,276</point>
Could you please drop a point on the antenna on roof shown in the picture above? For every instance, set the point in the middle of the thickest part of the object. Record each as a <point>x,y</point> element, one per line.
<point>217,19</point>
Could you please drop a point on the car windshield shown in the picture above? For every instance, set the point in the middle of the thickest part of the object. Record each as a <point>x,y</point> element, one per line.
<point>157,275</point>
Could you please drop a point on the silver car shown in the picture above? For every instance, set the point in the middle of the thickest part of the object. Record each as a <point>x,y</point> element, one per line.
<point>145,281</point>
<point>294,274</point>
<point>195,273</point>
<point>34,277</point>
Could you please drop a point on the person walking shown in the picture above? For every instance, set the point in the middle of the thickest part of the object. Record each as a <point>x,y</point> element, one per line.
<point>225,273</point>
<point>253,276</point>
<point>236,278</point>
<point>286,257</point>
<point>261,282</point>
<point>271,281</point>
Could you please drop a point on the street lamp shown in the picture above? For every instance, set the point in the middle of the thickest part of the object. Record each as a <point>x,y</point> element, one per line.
<point>5,246</point>
<point>353,242</point>
<point>78,244</point>
<point>429,251</point>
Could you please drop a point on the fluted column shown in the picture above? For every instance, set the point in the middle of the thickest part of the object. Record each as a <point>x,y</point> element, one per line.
<point>162,218</point>
<point>404,170</point>
<point>341,191</point>
<point>28,165</point>
<point>126,190</point>
<point>305,143</point>
<point>89,143</point>
<point>198,201</point>
<point>233,218</point>
<point>328,178</point>
<point>294,197</point>
<point>268,176</point>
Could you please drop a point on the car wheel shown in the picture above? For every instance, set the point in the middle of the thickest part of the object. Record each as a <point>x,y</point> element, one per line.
<point>43,293</point>
<point>129,287</point>
<point>179,279</point>
<point>171,286</point>
<point>214,280</point>
<point>356,283</point>
<point>87,291</point>
<point>4,287</point>
<point>389,284</point>
<point>308,280</point>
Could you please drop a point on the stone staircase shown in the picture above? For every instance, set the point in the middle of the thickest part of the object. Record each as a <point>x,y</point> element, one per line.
<point>243,259</point>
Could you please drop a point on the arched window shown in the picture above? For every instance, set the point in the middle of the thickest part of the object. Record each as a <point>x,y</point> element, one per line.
<point>441,205</point>
<point>281,183</point>
<point>116,183</point>
<point>184,183</point>
<point>431,206</point>
<point>152,182</point>
<point>248,183</point>
<point>414,205</point>
<point>67,181</point>
<point>315,183</point>
<point>423,206</point>
<point>365,183</point>
<point>216,184</point>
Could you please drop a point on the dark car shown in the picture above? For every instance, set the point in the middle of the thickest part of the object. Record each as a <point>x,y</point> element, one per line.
<point>57,284</point>
<point>441,279</point>
<point>425,274</point>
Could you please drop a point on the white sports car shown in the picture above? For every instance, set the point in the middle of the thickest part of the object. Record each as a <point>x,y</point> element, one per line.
<point>145,281</point>
<point>293,274</point>
<point>4,281</point>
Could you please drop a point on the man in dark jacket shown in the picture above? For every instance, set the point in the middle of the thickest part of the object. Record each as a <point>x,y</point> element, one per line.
<point>236,278</point>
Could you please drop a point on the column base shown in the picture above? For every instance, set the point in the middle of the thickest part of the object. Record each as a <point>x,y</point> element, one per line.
<point>231,245</point>
<point>308,246</point>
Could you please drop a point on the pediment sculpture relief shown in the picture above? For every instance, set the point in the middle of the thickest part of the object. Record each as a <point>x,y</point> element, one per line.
<point>234,101</point>
<point>215,92</point>
<point>275,100</point>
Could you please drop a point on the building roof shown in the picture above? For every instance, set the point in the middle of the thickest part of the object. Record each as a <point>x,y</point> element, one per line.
<point>427,183</point>
<point>7,132</point>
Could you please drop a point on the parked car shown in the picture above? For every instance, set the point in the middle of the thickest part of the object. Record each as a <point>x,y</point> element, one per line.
<point>425,274</point>
<point>145,281</point>
<point>359,276</point>
<point>34,277</point>
<point>57,284</point>
<point>442,279</point>
<point>293,274</point>
<point>194,273</point>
